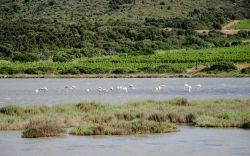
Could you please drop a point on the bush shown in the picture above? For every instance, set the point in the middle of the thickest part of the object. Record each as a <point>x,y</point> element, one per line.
<point>164,69</point>
<point>9,70</point>
<point>45,69</point>
<point>24,57</point>
<point>119,71</point>
<point>61,58</point>
<point>245,70</point>
<point>84,70</point>
<point>222,66</point>
<point>70,70</point>
<point>47,130</point>
<point>101,70</point>
<point>246,125</point>
<point>31,71</point>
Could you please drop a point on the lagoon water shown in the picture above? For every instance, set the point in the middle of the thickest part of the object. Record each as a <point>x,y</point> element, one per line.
<point>22,91</point>
<point>190,141</point>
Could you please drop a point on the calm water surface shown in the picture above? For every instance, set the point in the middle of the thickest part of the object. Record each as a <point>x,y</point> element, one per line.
<point>22,91</point>
<point>188,142</point>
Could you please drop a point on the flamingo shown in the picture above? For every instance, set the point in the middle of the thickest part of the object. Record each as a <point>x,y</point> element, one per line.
<point>160,88</point>
<point>187,86</point>
<point>157,89</point>
<point>69,87</point>
<point>199,85</point>
<point>131,86</point>
<point>112,88</point>
<point>102,90</point>
<point>41,89</point>
<point>125,89</point>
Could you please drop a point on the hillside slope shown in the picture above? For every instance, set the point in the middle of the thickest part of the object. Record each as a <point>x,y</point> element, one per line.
<point>119,9</point>
<point>66,29</point>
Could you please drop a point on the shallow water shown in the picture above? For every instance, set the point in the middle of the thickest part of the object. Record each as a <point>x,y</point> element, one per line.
<point>22,91</point>
<point>190,141</point>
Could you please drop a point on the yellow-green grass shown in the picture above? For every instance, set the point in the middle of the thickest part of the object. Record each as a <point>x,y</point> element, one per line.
<point>242,24</point>
<point>142,117</point>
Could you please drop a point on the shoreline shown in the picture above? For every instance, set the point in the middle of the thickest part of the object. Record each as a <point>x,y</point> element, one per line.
<point>139,75</point>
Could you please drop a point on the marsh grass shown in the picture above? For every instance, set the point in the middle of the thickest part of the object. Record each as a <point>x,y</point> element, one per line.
<point>150,116</point>
<point>119,127</point>
<point>46,130</point>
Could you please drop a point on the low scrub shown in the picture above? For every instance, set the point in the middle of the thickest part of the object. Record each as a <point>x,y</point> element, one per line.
<point>245,70</point>
<point>146,126</point>
<point>158,117</point>
<point>179,102</point>
<point>209,121</point>
<point>181,118</point>
<point>246,125</point>
<point>12,110</point>
<point>88,106</point>
<point>222,66</point>
<point>131,118</point>
<point>136,126</point>
<point>47,130</point>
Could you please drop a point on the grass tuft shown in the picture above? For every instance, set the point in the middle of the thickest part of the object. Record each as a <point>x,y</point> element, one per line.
<point>12,110</point>
<point>48,130</point>
<point>179,102</point>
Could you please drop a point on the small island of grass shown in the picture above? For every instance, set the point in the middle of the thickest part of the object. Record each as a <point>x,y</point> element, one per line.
<point>144,117</point>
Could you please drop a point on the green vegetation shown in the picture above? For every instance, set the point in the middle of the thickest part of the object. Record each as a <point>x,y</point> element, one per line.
<point>246,70</point>
<point>222,66</point>
<point>47,130</point>
<point>119,127</point>
<point>59,30</point>
<point>242,24</point>
<point>171,61</point>
<point>90,118</point>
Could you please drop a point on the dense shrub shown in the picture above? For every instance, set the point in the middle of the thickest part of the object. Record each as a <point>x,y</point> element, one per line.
<point>119,71</point>
<point>9,70</point>
<point>62,58</point>
<point>246,125</point>
<point>26,57</point>
<point>47,130</point>
<point>245,70</point>
<point>31,71</point>
<point>222,66</point>
<point>100,70</point>
<point>164,69</point>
